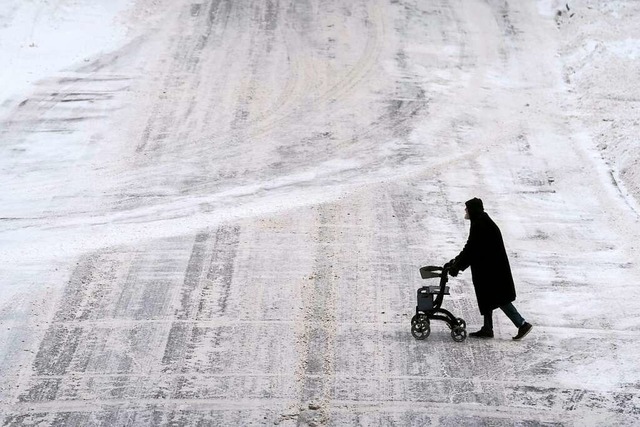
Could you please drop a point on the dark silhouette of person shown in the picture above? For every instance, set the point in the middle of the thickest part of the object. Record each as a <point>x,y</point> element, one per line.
<point>490,271</point>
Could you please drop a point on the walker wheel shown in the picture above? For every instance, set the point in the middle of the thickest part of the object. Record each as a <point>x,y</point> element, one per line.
<point>421,328</point>
<point>418,318</point>
<point>459,334</point>
<point>414,319</point>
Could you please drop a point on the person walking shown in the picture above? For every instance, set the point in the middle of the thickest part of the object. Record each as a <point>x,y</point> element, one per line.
<point>490,271</point>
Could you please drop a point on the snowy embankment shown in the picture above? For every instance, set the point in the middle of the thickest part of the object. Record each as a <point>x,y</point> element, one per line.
<point>42,47</point>
<point>41,40</point>
<point>601,52</point>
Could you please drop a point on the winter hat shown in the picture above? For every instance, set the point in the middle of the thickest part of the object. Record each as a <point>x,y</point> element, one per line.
<point>474,207</point>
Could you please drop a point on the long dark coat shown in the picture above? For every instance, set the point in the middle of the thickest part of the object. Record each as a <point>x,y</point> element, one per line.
<point>490,271</point>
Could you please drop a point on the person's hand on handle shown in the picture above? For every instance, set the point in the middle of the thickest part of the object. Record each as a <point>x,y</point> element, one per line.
<point>453,269</point>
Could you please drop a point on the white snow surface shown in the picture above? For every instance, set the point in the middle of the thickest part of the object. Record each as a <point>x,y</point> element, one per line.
<point>39,39</point>
<point>213,213</point>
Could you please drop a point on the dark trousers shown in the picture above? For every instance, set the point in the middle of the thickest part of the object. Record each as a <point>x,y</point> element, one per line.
<point>510,311</point>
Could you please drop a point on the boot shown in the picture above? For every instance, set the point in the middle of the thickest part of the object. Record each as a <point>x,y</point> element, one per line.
<point>523,331</point>
<point>482,333</point>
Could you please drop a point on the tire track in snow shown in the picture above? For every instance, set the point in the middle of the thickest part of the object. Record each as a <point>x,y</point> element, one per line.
<point>183,73</point>
<point>317,353</point>
<point>204,296</point>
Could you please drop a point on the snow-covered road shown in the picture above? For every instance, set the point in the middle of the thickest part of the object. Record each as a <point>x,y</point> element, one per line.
<point>214,214</point>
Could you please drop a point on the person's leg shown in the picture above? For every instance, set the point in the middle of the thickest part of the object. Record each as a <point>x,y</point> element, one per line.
<point>487,329</point>
<point>513,315</point>
<point>488,321</point>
